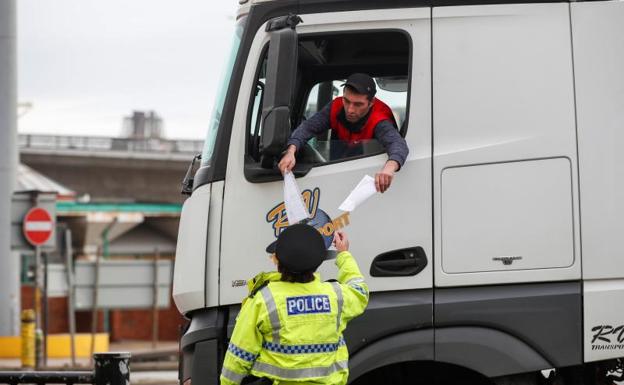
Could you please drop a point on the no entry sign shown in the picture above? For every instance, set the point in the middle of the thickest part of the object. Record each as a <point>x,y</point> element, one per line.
<point>38,226</point>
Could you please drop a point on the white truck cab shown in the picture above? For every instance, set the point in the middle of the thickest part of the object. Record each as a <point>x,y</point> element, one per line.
<point>496,252</point>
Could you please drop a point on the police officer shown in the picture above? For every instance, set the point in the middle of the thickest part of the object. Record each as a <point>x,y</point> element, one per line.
<point>290,330</point>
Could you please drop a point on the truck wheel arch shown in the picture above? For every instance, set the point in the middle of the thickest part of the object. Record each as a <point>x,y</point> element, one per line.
<point>403,347</point>
<point>487,351</point>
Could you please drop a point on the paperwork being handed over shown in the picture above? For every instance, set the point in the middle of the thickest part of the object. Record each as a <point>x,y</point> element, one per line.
<point>295,207</point>
<point>364,190</point>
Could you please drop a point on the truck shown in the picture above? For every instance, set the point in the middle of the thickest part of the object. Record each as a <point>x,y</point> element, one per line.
<point>495,256</point>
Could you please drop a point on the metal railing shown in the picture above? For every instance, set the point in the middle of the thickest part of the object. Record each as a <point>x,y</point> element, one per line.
<point>95,143</point>
<point>109,369</point>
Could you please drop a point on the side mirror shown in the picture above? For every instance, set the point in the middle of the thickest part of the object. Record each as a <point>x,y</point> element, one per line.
<point>280,81</point>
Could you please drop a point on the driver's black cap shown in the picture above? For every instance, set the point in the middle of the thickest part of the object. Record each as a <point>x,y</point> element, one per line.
<point>300,248</point>
<point>362,83</point>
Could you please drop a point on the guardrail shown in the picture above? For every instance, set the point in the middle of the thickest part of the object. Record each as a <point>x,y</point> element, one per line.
<point>96,143</point>
<point>109,369</point>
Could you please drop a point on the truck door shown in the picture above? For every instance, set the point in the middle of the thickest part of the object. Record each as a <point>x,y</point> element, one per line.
<point>391,234</point>
<point>507,265</point>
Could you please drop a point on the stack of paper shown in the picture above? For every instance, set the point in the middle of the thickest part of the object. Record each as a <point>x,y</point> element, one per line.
<point>364,190</point>
<point>295,207</point>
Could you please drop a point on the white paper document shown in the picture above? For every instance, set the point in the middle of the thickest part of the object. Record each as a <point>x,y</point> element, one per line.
<point>364,190</point>
<point>295,207</point>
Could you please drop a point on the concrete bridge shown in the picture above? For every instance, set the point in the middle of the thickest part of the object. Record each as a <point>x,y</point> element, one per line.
<point>112,169</point>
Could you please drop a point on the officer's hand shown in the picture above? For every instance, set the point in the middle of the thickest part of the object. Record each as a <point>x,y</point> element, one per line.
<point>383,179</point>
<point>341,241</point>
<point>287,163</point>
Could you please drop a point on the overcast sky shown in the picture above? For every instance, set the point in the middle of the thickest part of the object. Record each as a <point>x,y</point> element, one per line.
<point>85,64</point>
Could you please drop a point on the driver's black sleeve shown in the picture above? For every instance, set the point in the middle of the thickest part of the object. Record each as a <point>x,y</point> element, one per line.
<point>393,142</point>
<point>317,124</point>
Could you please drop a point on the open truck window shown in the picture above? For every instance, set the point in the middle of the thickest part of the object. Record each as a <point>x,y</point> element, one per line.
<point>324,62</point>
<point>391,90</point>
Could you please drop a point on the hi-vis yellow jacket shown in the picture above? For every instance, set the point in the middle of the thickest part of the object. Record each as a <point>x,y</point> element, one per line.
<point>292,332</point>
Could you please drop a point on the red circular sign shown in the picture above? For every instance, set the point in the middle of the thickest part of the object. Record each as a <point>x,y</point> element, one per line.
<point>38,226</point>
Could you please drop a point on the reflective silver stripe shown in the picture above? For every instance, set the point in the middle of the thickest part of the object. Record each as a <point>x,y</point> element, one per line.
<point>338,291</point>
<point>294,374</point>
<point>232,376</point>
<point>355,280</point>
<point>272,309</point>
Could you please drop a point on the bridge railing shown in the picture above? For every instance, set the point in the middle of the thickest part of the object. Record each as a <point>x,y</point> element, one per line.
<point>109,369</point>
<point>96,143</point>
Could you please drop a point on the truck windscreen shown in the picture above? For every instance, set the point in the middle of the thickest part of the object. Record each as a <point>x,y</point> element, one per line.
<point>224,82</point>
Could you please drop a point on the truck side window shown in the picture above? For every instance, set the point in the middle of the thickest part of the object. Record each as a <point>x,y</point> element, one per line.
<point>390,90</point>
<point>255,112</point>
<point>324,62</point>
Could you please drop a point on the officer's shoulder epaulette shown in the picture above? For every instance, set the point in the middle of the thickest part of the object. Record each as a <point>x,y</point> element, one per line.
<point>256,289</point>
<point>258,282</point>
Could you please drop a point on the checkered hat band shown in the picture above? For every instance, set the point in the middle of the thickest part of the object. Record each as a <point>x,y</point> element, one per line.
<point>303,349</point>
<point>241,353</point>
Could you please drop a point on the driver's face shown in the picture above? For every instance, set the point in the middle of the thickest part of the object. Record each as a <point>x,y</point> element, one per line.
<point>356,105</point>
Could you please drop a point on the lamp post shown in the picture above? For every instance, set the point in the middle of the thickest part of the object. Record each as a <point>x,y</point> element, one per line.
<point>9,260</point>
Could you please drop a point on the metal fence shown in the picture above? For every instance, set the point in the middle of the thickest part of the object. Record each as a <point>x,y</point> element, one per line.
<point>109,369</point>
<point>95,143</point>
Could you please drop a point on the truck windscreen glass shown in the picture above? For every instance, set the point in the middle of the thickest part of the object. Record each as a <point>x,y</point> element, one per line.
<point>215,118</point>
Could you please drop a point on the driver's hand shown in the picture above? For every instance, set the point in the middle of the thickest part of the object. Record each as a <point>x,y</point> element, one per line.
<point>287,163</point>
<point>383,179</point>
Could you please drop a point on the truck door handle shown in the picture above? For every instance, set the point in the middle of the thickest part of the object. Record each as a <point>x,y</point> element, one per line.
<point>399,263</point>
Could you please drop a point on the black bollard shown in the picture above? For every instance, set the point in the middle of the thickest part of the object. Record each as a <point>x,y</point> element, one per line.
<point>112,368</point>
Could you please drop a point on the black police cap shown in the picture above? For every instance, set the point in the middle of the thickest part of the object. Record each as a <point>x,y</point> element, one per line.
<point>300,248</point>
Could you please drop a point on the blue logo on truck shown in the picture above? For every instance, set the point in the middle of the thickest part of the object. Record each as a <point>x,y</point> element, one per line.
<point>277,215</point>
<point>318,218</point>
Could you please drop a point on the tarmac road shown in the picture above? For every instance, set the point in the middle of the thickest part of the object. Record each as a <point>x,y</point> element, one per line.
<point>154,378</point>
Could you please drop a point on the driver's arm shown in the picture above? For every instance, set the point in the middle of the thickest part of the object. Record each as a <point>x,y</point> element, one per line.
<point>393,142</point>
<point>316,125</point>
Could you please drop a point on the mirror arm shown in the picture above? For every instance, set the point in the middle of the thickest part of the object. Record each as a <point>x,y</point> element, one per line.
<point>290,21</point>
<point>187,182</point>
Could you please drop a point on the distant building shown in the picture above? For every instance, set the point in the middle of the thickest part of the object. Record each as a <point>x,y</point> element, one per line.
<point>143,125</point>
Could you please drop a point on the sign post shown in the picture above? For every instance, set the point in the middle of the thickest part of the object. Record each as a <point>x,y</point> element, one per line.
<point>38,227</point>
